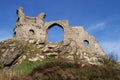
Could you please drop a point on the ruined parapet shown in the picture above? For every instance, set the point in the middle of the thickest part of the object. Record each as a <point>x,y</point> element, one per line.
<point>85,46</point>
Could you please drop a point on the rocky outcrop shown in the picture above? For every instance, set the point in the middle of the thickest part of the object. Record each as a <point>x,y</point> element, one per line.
<point>71,52</point>
<point>9,53</point>
<point>14,51</point>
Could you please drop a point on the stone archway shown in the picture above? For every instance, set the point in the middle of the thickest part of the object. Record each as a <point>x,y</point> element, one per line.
<point>55,33</point>
<point>61,23</point>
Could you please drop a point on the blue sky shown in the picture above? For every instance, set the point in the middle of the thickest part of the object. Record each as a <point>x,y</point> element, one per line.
<point>100,18</point>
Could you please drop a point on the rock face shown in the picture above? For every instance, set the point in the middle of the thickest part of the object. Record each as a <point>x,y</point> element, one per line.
<point>9,53</point>
<point>77,44</point>
<point>14,51</point>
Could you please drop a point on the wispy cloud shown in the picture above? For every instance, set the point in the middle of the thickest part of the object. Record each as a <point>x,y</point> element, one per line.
<point>98,26</point>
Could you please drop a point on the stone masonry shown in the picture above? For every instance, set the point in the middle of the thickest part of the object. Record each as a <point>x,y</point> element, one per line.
<point>79,41</point>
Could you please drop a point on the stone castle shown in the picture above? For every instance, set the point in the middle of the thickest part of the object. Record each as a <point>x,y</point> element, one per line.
<point>76,40</point>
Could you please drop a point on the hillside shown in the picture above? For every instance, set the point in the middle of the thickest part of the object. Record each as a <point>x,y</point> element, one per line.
<point>64,70</point>
<point>21,60</point>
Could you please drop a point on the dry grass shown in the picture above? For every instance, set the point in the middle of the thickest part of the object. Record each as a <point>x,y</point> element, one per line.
<point>70,71</point>
<point>10,76</point>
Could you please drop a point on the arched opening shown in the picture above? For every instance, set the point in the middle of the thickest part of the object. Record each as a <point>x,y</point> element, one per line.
<point>55,33</point>
<point>86,42</point>
<point>31,32</point>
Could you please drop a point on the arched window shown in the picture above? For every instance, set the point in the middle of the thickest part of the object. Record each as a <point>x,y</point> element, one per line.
<point>86,42</point>
<point>55,33</point>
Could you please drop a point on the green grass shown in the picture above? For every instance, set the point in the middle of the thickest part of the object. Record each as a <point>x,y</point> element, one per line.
<point>26,66</point>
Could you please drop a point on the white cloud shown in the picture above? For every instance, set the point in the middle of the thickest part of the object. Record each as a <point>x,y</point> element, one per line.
<point>98,26</point>
<point>112,47</point>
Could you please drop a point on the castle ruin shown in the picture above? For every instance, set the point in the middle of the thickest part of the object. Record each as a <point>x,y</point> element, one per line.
<point>35,28</point>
